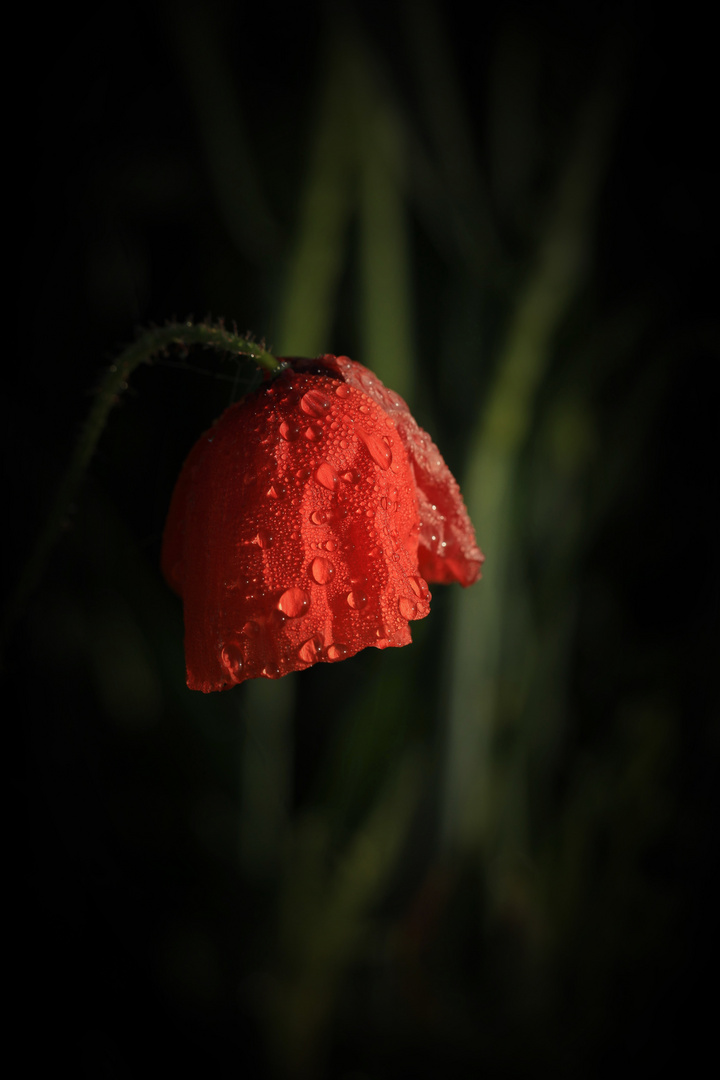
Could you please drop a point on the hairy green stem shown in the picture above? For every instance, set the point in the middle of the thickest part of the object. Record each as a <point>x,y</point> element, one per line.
<point>149,344</point>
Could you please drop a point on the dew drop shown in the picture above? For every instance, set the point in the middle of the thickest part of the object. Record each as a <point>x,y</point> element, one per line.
<point>337,651</point>
<point>313,432</point>
<point>407,608</point>
<point>352,476</point>
<point>294,602</point>
<point>233,660</point>
<point>357,599</point>
<point>331,545</point>
<point>315,403</point>
<point>310,651</point>
<point>342,390</point>
<point>326,476</point>
<point>418,586</point>
<point>378,449</point>
<point>263,539</point>
<point>322,570</point>
<point>289,431</point>
<point>276,490</point>
<point>319,517</point>
<point>271,671</point>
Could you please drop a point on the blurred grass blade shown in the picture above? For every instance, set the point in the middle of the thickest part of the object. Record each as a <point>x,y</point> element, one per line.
<point>469,795</point>
<point>386,325</point>
<point>307,308</point>
<point>324,918</point>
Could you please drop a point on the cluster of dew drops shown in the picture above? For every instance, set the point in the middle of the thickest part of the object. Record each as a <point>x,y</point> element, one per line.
<point>319,419</point>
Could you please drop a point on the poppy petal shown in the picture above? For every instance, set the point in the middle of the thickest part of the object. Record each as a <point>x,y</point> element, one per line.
<point>448,549</point>
<point>293,533</point>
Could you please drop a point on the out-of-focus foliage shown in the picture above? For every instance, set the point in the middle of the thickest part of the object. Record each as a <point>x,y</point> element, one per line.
<point>491,852</point>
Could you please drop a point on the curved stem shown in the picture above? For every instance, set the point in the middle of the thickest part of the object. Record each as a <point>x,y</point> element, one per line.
<point>149,344</point>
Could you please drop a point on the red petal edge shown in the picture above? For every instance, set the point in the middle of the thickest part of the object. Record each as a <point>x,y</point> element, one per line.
<point>448,550</point>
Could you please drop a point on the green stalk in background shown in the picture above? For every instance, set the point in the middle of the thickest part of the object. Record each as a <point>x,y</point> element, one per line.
<point>307,305</point>
<point>470,795</point>
<point>385,258</point>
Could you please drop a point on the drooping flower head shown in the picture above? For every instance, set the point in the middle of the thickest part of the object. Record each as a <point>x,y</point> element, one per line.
<point>305,525</point>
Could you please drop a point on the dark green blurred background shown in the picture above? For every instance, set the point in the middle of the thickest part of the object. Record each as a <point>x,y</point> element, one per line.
<point>492,852</point>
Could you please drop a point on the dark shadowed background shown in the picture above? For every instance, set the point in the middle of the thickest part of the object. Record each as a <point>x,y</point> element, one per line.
<point>491,852</point>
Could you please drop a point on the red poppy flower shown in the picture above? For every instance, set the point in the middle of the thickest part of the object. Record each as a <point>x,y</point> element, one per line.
<point>305,525</point>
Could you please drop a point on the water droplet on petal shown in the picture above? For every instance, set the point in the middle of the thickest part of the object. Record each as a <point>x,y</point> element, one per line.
<point>357,599</point>
<point>337,651</point>
<point>378,449</point>
<point>407,608</point>
<point>342,390</point>
<point>313,432</point>
<point>303,475</point>
<point>231,656</point>
<point>418,586</point>
<point>330,545</point>
<point>320,517</point>
<point>294,602</point>
<point>310,651</point>
<point>263,539</point>
<point>289,431</point>
<point>322,570</point>
<point>315,403</point>
<point>326,476</point>
<point>271,671</point>
<point>276,490</point>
